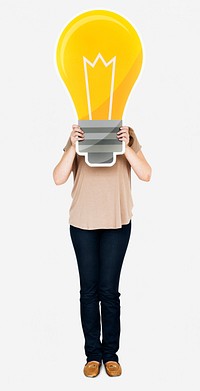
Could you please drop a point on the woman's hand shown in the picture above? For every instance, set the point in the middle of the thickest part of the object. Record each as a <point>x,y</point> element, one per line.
<point>76,134</point>
<point>123,134</point>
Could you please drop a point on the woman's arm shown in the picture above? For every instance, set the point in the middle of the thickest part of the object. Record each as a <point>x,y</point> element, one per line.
<point>138,163</point>
<point>134,154</point>
<point>63,169</point>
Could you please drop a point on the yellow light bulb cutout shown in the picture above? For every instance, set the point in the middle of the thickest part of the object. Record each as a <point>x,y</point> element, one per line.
<point>99,57</point>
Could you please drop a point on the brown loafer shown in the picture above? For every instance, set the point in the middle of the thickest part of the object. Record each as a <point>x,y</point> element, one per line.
<point>113,368</point>
<point>92,368</point>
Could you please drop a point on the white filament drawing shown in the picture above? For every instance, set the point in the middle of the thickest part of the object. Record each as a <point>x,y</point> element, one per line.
<point>86,61</point>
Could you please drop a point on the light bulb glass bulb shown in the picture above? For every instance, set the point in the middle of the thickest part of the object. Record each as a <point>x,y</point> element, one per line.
<point>99,57</point>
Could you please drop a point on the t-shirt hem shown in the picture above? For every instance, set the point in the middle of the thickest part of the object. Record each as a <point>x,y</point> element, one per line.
<point>101,227</point>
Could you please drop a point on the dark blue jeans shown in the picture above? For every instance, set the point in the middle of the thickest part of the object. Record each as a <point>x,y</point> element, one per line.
<point>100,254</point>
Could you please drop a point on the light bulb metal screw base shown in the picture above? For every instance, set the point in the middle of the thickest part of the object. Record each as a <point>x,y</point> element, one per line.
<point>108,128</point>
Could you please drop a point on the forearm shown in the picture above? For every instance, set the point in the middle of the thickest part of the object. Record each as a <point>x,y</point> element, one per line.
<point>63,169</point>
<point>139,166</point>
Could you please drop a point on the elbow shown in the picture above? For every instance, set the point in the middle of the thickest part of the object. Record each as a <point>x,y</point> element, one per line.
<point>147,178</point>
<point>147,175</point>
<point>57,180</point>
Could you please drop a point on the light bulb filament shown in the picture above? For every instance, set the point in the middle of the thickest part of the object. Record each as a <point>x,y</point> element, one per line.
<point>92,64</point>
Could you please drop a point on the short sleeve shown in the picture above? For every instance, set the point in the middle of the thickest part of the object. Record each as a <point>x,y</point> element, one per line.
<point>134,143</point>
<point>68,145</point>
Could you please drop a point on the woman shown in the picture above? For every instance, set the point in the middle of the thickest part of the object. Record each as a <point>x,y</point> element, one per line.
<point>100,228</point>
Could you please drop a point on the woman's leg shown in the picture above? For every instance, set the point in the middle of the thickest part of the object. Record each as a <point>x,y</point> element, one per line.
<point>86,246</point>
<point>113,245</point>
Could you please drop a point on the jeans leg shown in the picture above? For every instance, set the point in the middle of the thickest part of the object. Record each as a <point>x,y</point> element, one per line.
<point>86,246</point>
<point>113,245</point>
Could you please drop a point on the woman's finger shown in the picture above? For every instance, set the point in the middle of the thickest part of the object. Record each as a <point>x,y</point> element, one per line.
<point>78,132</point>
<point>124,127</point>
<point>122,133</point>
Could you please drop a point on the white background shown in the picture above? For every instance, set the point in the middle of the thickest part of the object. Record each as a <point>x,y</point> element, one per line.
<point>40,332</point>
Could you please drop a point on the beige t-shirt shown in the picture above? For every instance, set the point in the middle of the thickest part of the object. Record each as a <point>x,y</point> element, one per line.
<point>101,196</point>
